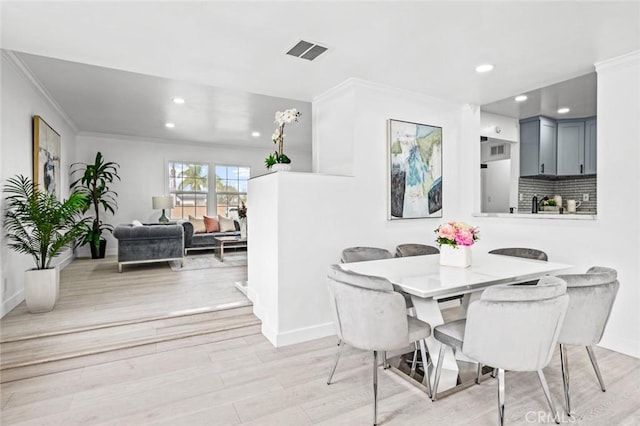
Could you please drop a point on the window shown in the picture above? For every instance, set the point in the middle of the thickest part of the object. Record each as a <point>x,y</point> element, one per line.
<point>189,183</point>
<point>231,189</point>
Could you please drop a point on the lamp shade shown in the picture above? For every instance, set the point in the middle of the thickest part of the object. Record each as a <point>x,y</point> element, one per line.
<point>162,202</point>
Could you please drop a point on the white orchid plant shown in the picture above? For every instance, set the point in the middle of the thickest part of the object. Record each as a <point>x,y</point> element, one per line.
<point>282,118</point>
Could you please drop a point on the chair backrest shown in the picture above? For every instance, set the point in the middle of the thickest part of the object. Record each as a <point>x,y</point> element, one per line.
<point>368,314</point>
<point>527,253</point>
<point>516,327</point>
<point>361,254</point>
<point>405,250</point>
<point>591,298</point>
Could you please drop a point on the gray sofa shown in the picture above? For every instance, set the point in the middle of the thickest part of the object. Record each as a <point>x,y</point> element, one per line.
<point>149,243</point>
<point>203,241</point>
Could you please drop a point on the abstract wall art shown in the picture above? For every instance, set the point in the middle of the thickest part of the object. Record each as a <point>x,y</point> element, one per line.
<point>46,157</point>
<point>415,170</point>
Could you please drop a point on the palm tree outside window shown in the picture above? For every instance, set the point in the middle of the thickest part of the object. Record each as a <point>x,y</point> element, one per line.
<point>189,183</point>
<point>231,189</point>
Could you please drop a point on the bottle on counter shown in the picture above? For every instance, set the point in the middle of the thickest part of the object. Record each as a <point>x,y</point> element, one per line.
<point>534,204</point>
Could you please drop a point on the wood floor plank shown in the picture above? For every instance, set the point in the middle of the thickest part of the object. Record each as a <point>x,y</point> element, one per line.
<point>241,379</point>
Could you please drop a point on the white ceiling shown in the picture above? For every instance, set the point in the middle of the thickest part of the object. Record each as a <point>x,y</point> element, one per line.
<point>578,94</point>
<point>430,47</point>
<point>105,100</point>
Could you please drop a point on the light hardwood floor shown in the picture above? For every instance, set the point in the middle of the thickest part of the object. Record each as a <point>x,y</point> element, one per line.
<point>244,380</point>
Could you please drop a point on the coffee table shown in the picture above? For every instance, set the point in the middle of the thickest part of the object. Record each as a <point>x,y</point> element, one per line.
<point>228,242</point>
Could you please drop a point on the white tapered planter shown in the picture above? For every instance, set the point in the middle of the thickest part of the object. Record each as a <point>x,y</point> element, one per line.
<point>460,256</point>
<point>41,288</point>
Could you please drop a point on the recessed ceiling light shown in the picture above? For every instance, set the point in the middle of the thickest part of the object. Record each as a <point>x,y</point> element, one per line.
<point>255,134</point>
<point>170,125</point>
<point>178,101</point>
<point>484,68</point>
<point>520,98</point>
<point>563,110</point>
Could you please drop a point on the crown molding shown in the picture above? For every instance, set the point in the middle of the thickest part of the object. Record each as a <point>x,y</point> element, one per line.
<point>210,145</point>
<point>623,61</point>
<point>24,70</point>
<point>353,82</point>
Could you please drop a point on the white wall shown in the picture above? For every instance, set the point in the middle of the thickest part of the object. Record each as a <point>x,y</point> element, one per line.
<point>142,170</point>
<point>499,127</point>
<point>510,132</point>
<point>21,100</point>
<point>318,215</point>
<point>496,178</point>
<point>613,239</point>
<point>297,226</point>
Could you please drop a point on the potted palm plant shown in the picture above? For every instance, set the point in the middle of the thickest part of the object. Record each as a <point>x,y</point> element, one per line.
<point>39,225</point>
<point>94,182</point>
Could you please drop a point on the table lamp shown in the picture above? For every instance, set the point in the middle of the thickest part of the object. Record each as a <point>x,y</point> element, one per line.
<point>162,202</point>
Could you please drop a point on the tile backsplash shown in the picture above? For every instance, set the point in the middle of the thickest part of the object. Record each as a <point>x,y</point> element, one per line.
<point>568,188</point>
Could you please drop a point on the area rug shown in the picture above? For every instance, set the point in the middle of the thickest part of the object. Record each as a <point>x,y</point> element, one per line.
<point>208,261</point>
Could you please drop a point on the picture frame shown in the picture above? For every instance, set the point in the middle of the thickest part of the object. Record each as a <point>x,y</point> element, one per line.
<point>46,157</point>
<point>414,178</point>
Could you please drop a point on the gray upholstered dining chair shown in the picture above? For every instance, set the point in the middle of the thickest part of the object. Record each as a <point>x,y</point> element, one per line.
<point>591,298</point>
<point>370,315</point>
<point>405,250</point>
<point>513,328</point>
<point>361,254</point>
<point>527,253</point>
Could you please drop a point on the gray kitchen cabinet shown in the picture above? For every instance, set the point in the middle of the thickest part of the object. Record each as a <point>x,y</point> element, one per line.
<point>577,147</point>
<point>538,147</point>
<point>590,146</point>
<point>570,148</point>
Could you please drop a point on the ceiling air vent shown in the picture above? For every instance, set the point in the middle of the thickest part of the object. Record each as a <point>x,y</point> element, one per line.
<point>306,50</point>
<point>497,150</point>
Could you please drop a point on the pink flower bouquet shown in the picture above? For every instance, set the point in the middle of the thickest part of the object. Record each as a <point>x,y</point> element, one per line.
<point>456,234</point>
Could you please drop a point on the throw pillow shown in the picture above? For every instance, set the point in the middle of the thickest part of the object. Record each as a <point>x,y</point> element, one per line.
<point>226,224</point>
<point>136,223</point>
<point>211,223</point>
<point>198,224</point>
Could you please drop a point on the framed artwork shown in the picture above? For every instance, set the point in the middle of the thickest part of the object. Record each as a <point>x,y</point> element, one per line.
<point>46,157</point>
<point>415,170</point>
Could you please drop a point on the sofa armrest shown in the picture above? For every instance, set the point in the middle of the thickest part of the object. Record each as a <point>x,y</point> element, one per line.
<point>188,233</point>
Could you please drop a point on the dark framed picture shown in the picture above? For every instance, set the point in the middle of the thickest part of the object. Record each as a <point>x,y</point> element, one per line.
<point>46,157</point>
<point>415,170</point>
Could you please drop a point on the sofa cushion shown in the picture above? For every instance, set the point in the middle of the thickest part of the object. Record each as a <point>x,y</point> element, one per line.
<point>226,224</point>
<point>205,240</point>
<point>211,224</point>
<point>198,224</point>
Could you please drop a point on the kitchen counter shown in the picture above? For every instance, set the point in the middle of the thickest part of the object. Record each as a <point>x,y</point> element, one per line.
<point>553,216</point>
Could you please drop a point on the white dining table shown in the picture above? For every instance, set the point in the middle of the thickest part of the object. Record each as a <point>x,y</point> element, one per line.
<point>426,281</point>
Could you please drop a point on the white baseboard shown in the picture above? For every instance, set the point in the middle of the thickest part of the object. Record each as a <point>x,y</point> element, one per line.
<point>12,302</point>
<point>621,344</point>
<point>299,335</point>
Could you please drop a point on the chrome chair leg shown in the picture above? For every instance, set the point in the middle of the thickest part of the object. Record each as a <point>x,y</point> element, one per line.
<point>385,364</point>
<point>335,364</point>
<point>436,379</point>
<point>592,357</point>
<point>425,365</point>
<point>564,365</point>
<point>479,373</point>
<point>414,362</point>
<point>547,394</point>
<point>375,388</point>
<point>501,395</point>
